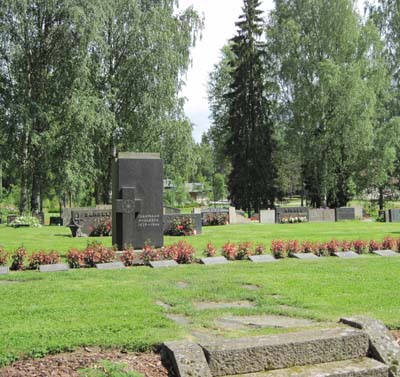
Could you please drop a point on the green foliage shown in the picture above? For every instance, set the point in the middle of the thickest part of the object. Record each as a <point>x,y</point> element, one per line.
<point>250,144</point>
<point>108,369</point>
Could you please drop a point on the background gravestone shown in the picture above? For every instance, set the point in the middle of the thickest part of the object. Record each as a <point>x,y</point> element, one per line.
<point>137,214</point>
<point>394,215</point>
<point>267,216</point>
<point>90,222</point>
<point>321,215</point>
<point>345,213</point>
<point>291,212</point>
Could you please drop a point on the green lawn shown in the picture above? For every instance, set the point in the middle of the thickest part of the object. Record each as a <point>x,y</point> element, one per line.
<point>59,238</point>
<point>43,313</point>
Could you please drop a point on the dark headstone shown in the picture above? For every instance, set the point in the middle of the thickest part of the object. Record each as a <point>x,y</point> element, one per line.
<point>138,200</point>
<point>394,215</point>
<point>169,219</point>
<point>54,267</point>
<point>384,215</point>
<point>110,266</point>
<point>214,260</point>
<point>347,254</point>
<point>286,214</point>
<point>262,258</point>
<point>90,222</point>
<point>4,270</point>
<point>345,213</point>
<point>386,253</point>
<point>305,256</point>
<point>55,221</point>
<point>11,218</point>
<point>163,264</point>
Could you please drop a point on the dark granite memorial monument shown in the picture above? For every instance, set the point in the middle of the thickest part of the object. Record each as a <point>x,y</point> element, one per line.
<point>137,215</point>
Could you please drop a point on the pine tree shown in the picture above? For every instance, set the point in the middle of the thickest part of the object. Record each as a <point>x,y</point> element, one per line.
<point>250,144</point>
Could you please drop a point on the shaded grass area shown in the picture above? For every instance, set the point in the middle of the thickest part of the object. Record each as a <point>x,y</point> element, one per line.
<point>60,239</point>
<point>45,313</point>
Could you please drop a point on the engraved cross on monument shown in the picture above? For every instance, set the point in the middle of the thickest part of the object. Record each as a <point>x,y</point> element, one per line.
<point>137,200</point>
<point>128,207</point>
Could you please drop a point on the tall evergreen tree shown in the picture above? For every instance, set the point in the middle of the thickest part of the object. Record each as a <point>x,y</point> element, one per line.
<point>250,144</point>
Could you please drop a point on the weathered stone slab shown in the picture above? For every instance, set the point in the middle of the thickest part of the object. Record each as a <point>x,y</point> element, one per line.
<point>345,213</point>
<point>179,319</point>
<point>263,321</point>
<point>137,200</point>
<point>163,264</point>
<point>251,287</point>
<point>265,258</point>
<point>182,285</point>
<point>386,253</point>
<point>163,304</point>
<point>364,367</point>
<point>267,216</point>
<point>110,266</point>
<point>59,267</point>
<point>383,345</point>
<point>4,270</point>
<point>223,305</point>
<point>321,215</point>
<point>359,212</point>
<point>304,256</point>
<point>284,215</point>
<point>214,260</point>
<point>232,215</point>
<point>249,355</point>
<point>347,254</point>
<point>186,359</point>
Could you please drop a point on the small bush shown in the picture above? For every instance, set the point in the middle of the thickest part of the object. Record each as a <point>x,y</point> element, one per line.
<point>129,257</point>
<point>210,250</point>
<point>346,245</point>
<point>374,245</point>
<point>245,250</point>
<point>293,247</point>
<point>4,256</point>
<point>181,226</point>
<point>41,258</point>
<point>18,259</point>
<point>181,252</point>
<point>278,249</point>
<point>322,249</point>
<point>213,219</point>
<point>360,246</point>
<point>96,253</point>
<point>308,247</point>
<point>101,228</point>
<point>150,254</point>
<point>75,258</point>
<point>389,243</point>
<point>229,251</point>
<point>259,249</point>
<point>333,247</point>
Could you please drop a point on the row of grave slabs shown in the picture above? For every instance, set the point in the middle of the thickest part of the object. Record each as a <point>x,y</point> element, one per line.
<point>265,258</point>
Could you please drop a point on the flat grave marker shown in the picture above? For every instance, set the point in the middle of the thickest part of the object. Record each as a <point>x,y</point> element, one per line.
<point>262,258</point>
<point>4,270</point>
<point>386,253</point>
<point>214,260</point>
<point>58,267</point>
<point>304,256</point>
<point>163,264</point>
<point>347,254</point>
<point>110,266</point>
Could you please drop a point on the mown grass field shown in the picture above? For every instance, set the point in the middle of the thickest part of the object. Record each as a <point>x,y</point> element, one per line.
<point>60,239</point>
<point>46,313</point>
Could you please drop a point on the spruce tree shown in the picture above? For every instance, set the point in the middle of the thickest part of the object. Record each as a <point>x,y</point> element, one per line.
<point>250,144</point>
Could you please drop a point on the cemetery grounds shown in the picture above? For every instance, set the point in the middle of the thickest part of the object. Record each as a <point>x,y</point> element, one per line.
<point>138,308</point>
